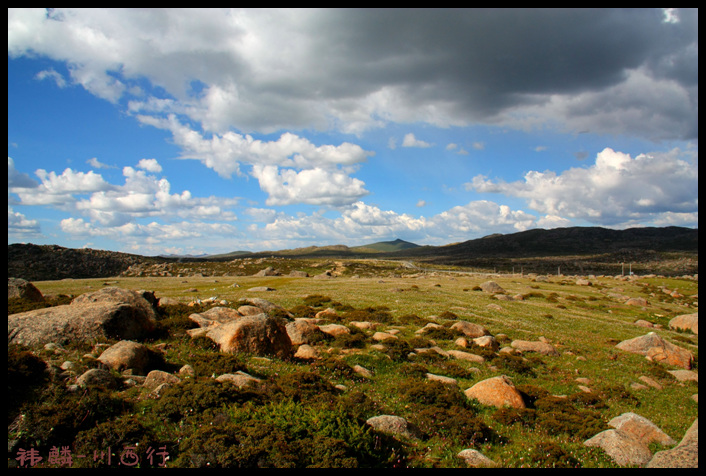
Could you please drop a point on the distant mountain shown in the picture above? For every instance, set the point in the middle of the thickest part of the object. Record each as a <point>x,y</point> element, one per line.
<point>386,246</point>
<point>668,250</point>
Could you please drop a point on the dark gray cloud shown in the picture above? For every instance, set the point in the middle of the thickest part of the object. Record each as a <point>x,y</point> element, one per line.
<point>354,69</point>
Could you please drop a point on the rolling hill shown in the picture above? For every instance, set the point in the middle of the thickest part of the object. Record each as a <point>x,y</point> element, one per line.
<point>576,250</point>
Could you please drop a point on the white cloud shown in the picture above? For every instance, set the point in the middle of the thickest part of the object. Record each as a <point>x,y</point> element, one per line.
<point>617,189</point>
<point>312,186</point>
<point>18,224</point>
<point>411,141</point>
<point>150,165</point>
<point>97,164</point>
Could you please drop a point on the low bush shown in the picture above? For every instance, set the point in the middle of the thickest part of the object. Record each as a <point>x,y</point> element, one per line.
<point>551,455</point>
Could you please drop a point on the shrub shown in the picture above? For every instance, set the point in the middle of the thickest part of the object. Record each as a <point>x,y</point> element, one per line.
<point>303,311</point>
<point>61,415</point>
<point>559,416</point>
<point>316,300</point>
<point>455,423</point>
<point>514,363</point>
<point>286,434</point>
<point>217,363</point>
<point>193,397</point>
<point>551,455</point>
<point>303,386</point>
<point>397,349</point>
<point>25,374</point>
<point>510,416</point>
<point>116,434</point>
<point>433,393</point>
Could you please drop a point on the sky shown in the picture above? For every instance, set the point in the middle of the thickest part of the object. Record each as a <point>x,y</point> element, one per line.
<point>199,131</point>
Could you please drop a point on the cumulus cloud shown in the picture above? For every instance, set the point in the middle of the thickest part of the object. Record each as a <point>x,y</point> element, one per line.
<point>411,141</point>
<point>312,186</point>
<point>20,225</point>
<point>616,190</point>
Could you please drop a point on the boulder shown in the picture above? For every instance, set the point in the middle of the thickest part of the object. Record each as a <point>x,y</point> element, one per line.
<point>496,391</point>
<point>216,316</point>
<point>621,447</point>
<point>240,379</point>
<point>641,429</point>
<point>302,331</point>
<point>97,378</point>
<point>111,313</point>
<point>686,322</point>
<point>20,288</point>
<point>492,287</point>
<point>476,459</point>
<point>684,455</point>
<point>335,329</point>
<point>543,348</point>
<point>126,354</point>
<point>261,335</point>
<point>469,329</point>
<point>393,425</point>
<point>157,378</point>
<point>653,347</point>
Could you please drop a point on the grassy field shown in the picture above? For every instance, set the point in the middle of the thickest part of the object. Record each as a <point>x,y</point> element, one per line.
<point>582,322</point>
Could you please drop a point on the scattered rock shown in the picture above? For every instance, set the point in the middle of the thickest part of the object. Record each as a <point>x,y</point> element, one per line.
<point>261,289</point>
<point>653,347</point>
<point>476,459</point>
<point>240,379</point>
<point>260,335</point>
<point>684,455</point>
<point>97,378</point>
<point>335,329</point>
<point>126,354</point>
<point>622,448</point>
<point>461,355</point>
<point>641,429</point>
<point>637,301</point>
<point>441,378</point>
<point>492,287</point>
<point>156,378</point>
<point>685,375</point>
<point>543,348</point>
<point>306,352</point>
<point>393,425</point>
<point>216,316</point>
<point>688,322</point>
<point>496,391</point>
<point>470,329</point>
<point>302,331</point>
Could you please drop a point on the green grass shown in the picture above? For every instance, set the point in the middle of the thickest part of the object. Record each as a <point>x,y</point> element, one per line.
<point>296,403</point>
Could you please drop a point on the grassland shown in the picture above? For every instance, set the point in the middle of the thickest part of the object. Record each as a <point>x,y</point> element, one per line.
<point>583,322</point>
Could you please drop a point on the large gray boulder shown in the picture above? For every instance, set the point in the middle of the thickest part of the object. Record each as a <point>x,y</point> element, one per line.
<point>259,335</point>
<point>111,313</point>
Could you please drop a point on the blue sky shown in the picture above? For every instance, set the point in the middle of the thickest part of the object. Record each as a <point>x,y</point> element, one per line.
<point>208,131</point>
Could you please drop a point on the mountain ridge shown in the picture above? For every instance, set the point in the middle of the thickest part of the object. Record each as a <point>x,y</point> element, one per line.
<point>585,249</point>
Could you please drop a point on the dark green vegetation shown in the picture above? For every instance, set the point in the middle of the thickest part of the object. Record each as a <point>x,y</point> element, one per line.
<point>313,413</point>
